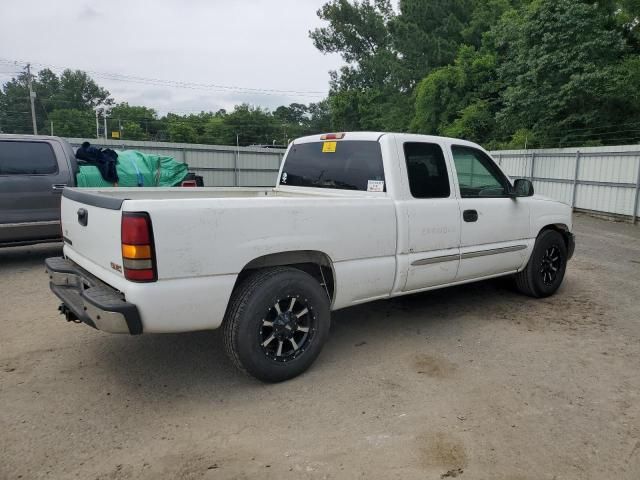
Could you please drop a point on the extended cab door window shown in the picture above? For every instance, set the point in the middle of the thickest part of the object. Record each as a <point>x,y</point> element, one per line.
<point>478,176</point>
<point>431,218</point>
<point>427,170</point>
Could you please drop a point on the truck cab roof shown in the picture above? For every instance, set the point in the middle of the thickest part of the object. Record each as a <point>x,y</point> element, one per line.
<point>376,136</point>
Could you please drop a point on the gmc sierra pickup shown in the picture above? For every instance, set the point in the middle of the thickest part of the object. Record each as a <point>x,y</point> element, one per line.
<point>354,217</point>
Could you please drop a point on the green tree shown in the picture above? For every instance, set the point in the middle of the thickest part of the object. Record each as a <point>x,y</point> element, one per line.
<point>359,32</point>
<point>253,125</point>
<point>77,90</point>
<point>15,114</point>
<point>294,120</point>
<point>181,132</point>
<point>217,132</point>
<point>71,122</point>
<point>427,34</point>
<point>546,73</point>
<point>559,61</point>
<point>294,114</point>
<point>138,122</point>
<point>474,122</point>
<point>453,98</point>
<point>365,92</point>
<point>72,90</point>
<point>485,15</point>
<point>320,117</point>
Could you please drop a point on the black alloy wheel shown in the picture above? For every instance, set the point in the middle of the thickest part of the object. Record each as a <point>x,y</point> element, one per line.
<point>545,270</point>
<point>277,322</point>
<point>287,329</point>
<point>551,264</point>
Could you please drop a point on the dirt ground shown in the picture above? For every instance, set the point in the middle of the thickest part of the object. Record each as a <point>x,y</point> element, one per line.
<point>474,382</point>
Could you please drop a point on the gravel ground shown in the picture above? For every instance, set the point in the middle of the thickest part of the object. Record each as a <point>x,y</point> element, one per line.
<point>474,382</point>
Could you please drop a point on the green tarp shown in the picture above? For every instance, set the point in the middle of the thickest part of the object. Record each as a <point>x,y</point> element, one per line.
<point>135,168</point>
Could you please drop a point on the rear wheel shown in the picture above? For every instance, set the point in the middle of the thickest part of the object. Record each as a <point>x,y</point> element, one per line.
<point>276,324</point>
<point>545,271</point>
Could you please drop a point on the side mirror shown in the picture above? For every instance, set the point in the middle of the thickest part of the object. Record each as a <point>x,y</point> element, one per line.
<point>522,188</point>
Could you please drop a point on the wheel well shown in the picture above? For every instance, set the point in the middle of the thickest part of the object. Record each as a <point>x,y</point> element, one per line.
<point>561,228</point>
<point>316,264</point>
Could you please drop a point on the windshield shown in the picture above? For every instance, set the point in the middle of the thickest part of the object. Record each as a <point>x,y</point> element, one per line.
<point>347,165</point>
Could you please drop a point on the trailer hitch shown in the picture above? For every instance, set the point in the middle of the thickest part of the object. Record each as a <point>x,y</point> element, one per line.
<point>68,314</point>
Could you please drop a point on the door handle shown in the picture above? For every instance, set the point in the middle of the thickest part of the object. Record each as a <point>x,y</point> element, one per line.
<point>83,216</point>
<point>58,187</point>
<point>470,215</point>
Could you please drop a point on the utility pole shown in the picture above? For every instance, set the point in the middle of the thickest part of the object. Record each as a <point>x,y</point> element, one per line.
<point>32,98</point>
<point>120,128</point>
<point>52,128</point>
<point>235,166</point>
<point>97,125</point>
<point>105,124</point>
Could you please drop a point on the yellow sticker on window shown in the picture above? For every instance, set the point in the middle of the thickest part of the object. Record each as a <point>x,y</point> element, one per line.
<point>329,147</point>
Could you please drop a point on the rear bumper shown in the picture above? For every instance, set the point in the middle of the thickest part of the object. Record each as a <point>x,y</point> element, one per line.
<point>571,244</point>
<point>87,299</point>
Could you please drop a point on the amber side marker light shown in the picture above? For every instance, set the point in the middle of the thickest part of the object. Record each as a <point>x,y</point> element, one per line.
<point>138,253</point>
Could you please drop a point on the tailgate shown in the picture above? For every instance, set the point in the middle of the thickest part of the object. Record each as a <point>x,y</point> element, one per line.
<point>91,230</point>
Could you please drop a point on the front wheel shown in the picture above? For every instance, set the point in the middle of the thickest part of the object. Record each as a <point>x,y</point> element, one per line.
<point>276,323</point>
<point>545,271</point>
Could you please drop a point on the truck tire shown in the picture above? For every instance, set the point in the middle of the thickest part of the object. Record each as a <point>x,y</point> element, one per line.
<point>276,323</point>
<point>544,273</point>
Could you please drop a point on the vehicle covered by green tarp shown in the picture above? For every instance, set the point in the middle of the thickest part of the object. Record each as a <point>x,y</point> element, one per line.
<point>137,169</point>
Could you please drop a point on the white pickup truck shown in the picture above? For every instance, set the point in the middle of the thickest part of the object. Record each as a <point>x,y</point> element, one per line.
<point>354,217</point>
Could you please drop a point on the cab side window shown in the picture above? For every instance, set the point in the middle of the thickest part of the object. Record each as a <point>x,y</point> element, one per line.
<point>478,176</point>
<point>27,158</point>
<point>427,170</point>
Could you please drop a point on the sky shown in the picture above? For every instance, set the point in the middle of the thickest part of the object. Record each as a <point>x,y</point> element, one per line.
<point>253,46</point>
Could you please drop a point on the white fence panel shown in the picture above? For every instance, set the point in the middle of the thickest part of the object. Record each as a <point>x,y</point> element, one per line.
<point>550,166</point>
<point>600,179</point>
<point>605,199</point>
<point>611,168</point>
<point>562,192</point>
<point>515,166</point>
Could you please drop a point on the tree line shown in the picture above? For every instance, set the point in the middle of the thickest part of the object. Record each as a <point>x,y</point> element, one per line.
<point>67,103</point>
<point>504,73</point>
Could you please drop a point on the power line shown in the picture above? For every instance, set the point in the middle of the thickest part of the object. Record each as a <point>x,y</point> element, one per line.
<point>174,121</point>
<point>616,125</point>
<point>179,83</point>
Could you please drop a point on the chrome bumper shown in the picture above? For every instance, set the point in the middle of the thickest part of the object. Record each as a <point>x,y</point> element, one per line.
<point>87,299</point>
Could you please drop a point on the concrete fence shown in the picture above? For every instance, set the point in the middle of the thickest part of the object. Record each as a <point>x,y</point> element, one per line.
<point>220,166</point>
<point>597,179</point>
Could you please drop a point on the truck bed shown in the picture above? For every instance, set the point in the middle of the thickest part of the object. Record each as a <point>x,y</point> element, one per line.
<point>204,237</point>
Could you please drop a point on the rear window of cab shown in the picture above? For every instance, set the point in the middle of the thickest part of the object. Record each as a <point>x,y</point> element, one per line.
<point>342,164</point>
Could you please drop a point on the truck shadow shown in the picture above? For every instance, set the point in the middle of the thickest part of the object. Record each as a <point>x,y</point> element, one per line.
<point>193,365</point>
<point>27,256</point>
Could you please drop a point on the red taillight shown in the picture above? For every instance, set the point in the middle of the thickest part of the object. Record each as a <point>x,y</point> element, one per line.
<point>138,253</point>
<point>189,183</point>
<point>139,275</point>
<point>136,228</point>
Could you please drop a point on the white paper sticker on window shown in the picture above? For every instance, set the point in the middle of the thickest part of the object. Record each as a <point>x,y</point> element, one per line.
<point>375,186</point>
